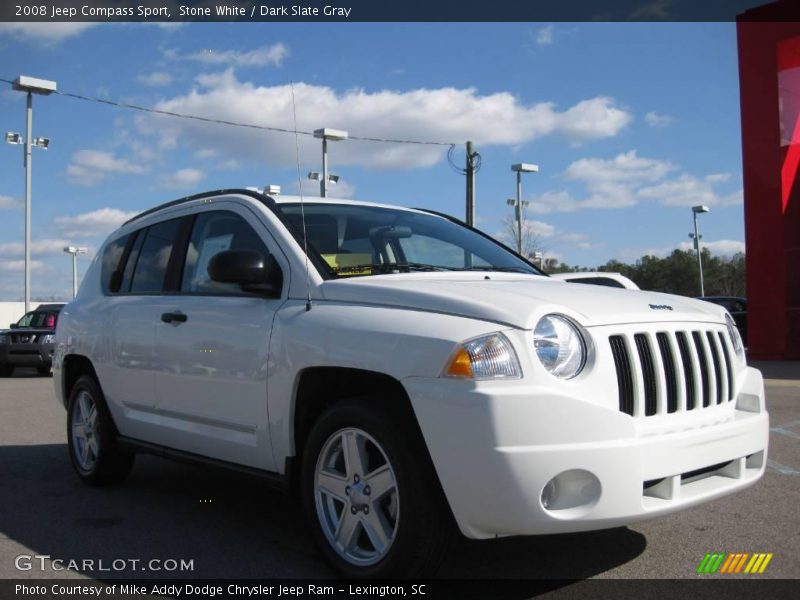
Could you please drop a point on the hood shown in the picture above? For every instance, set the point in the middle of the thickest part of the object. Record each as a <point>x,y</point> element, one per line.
<point>518,300</point>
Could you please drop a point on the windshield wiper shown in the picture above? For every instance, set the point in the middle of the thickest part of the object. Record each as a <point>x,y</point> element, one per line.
<point>404,267</point>
<point>501,269</point>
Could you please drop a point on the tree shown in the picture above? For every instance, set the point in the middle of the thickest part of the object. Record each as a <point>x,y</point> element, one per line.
<point>531,239</point>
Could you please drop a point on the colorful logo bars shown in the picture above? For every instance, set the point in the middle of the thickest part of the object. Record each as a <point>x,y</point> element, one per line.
<point>735,562</point>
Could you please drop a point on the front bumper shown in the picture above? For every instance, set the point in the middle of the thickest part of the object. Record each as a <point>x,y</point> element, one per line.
<point>496,445</point>
<point>27,355</point>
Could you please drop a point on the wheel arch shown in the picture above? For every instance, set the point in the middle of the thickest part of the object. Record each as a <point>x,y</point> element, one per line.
<point>75,366</point>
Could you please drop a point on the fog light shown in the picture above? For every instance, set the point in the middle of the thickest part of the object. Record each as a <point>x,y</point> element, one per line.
<point>571,493</point>
<point>548,493</point>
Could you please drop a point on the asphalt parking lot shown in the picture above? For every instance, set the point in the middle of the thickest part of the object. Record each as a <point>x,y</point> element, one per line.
<point>231,526</point>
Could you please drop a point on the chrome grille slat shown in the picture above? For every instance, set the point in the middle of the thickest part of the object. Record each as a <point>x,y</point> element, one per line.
<point>648,373</point>
<point>666,372</point>
<point>728,367</point>
<point>670,376</point>
<point>624,376</point>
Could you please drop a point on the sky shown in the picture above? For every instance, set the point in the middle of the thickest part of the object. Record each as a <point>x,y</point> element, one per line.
<point>630,124</point>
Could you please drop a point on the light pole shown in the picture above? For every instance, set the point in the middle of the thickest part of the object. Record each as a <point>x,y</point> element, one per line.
<point>696,210</point>
<point>518,206</point>
<point>74,251</point>
<point>31,86</point>
<point>325,134</point>
<point>518,203</point>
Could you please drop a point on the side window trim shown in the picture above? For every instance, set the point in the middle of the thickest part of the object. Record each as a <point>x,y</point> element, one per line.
<point>174,273</point>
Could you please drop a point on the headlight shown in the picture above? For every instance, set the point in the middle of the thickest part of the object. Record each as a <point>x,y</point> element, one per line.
<point>3,339</point>
<point>487,357</point>
<point>48,338</point>
<point>559,346</point>
<point>733,333</point>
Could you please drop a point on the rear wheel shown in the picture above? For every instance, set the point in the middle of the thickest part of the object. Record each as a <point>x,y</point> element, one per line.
<point>92,437</point>
<point>372,495</point>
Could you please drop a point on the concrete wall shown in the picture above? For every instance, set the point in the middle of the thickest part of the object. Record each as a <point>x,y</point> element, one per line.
<point>11,312</point>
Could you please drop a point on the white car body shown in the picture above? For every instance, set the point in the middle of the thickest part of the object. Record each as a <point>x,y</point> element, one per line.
<point>223,385</point>
<point>598,278</point>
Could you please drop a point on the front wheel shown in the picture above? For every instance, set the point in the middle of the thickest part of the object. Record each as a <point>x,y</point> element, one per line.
<point>372,495</point>
<point>91,437</point>
<point>6,370</point>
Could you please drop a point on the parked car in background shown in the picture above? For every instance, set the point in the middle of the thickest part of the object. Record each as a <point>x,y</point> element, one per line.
<point>406,375</point>
<point>737,307</point>
<point>29,341</point>
<point>597,278</point>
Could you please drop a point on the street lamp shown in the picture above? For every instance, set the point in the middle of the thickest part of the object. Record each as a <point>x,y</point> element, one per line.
<point>696,210</point>
<point>31,86</point>
<point>74,251</point>
<point>325,134</point>
<point>317,176</point>
<point>518,204</point>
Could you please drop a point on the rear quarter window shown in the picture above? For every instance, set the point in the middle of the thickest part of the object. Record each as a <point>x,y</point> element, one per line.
<point>111,263</point>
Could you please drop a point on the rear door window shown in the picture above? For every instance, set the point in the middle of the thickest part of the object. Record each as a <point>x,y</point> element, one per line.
<point>153,260</point>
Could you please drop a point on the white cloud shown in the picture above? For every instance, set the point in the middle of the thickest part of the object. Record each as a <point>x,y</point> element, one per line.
<point>628,179</point>
<point>18,266</point>
<point>444,114</point>
<point>719,247</point>
<point>95,223</point>
<point>259,57</point>
<point>544,35</point>
<point>689,191</point>
<point>47,247</point>
<point>90,167</point>
<point>656,119</point>
<point>42,32</point>
<point>9,203</point>
<point>155,79</point>
<point>183,178</point>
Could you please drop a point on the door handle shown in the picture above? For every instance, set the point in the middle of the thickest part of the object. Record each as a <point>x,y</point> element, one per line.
<point>177,317</point>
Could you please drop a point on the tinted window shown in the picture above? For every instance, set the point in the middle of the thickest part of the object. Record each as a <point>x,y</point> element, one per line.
<point>112,255</point>
<point>355,240</point>
<point>215,232</point>
<point>151,266</point>
<point>39,319</point>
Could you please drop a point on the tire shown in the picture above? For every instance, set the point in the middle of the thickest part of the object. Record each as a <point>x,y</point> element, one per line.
<point>405,531</point>
<point>43,370</point>
<point>91,436</point>
<point>6,370</point>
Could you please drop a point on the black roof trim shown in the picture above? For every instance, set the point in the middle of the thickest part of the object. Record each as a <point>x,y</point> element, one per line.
<point>260,197</point>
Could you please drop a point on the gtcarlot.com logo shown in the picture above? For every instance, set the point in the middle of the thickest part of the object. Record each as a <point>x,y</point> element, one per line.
<point>43,562</point>
<point>732,563</point>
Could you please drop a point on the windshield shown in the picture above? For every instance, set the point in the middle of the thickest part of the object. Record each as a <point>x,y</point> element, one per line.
<point>355,240</point>
<point>39,319</point>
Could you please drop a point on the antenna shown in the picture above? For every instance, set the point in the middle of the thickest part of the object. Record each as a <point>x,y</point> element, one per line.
<point>302,206</point>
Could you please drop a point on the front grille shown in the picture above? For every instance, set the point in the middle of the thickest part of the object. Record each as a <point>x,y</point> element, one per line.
<point>23,338</point>
<point>672,371</point>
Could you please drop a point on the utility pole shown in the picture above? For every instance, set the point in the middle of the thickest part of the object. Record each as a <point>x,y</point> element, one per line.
<point>470,171</point>
<point>697,210</point>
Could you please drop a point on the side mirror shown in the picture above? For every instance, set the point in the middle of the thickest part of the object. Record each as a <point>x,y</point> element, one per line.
<point>13,326</point>
<point>246,267</point>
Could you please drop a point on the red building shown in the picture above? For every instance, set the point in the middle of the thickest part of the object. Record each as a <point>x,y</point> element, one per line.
<point>769,80</point>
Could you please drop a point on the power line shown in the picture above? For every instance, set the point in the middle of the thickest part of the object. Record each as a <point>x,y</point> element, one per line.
<point>169,113</point>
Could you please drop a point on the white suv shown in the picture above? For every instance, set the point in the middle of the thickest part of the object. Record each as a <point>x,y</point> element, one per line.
<point>407,375</point>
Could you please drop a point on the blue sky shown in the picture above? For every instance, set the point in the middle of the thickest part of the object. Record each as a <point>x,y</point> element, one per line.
<point>631,124</point>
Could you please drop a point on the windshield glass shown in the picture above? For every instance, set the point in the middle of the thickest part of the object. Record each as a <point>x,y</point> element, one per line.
<point>38,319</point>
<point>355,240</point>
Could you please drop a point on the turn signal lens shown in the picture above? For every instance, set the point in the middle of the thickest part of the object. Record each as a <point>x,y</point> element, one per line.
<point>488,357</point>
